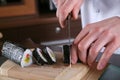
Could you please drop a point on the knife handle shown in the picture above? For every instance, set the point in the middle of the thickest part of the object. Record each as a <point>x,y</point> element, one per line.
<point>69,16</point>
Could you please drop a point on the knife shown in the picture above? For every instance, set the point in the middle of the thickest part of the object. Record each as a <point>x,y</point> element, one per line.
<point>69,33</point>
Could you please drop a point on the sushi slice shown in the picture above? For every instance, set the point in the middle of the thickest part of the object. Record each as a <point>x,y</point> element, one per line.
<point>49,55</point>
<point>38,56</point>
<point>27,58</point>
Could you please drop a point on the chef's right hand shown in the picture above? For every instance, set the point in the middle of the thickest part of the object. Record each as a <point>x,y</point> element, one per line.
<point>64,7</point>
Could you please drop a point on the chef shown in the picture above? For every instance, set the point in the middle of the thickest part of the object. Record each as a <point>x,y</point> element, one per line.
<point>101,28</point>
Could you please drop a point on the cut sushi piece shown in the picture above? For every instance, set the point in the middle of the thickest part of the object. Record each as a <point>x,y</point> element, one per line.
<point>40,53</point>
<point>17,53</point>
<point>27,58</point>
<point>39,58</point>
<point>49,55</point>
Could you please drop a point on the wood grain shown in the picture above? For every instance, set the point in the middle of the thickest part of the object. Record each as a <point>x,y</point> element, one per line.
<point>52,72</point>
<point>93,74</point>
<point>7,78</point>
<point>76,72</point>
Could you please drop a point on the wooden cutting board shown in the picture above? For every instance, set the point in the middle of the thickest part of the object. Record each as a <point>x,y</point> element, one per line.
<point>7,78</point>
<point>58,71</point>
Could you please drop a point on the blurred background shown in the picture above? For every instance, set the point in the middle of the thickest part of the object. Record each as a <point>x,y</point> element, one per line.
<point>35,20</point>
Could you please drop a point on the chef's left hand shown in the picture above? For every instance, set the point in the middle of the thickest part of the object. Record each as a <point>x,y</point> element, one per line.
<point>93,38</point>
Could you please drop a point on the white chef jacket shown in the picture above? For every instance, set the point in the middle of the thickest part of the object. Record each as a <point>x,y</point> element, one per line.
<point>97,10</point>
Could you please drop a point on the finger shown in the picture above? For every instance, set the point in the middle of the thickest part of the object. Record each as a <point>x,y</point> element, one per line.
<point>81,35</point>
<point>111,47</point>
<point>82,56</point>
<point>65,10</point>
<point>76,9</point>
<point>86,42</point>
<point>59,4</point>
<point>98,45</point>
<point>58,13</point>
<point>74,57</point>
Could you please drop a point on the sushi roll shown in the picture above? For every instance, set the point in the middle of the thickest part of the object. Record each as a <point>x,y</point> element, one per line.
<point>49,55</point>
<point>38,56</point>
<point>17,54</point>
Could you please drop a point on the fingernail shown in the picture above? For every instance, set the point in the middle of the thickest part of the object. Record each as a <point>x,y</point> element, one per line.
<point>73,61</point>
<point>100,66</point>
<point>76,16</point>
<point>84,62</point>
<point>90,64</point>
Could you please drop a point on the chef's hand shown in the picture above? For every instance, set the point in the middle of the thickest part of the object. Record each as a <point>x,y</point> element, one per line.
<point>64,7</point>
<point>93,38</point>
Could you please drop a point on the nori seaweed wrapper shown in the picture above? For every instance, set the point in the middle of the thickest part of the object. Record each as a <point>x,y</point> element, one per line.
<point>66,54</point>
<point>13,51</point>
<point>47,56</point>
<point>37,57</point>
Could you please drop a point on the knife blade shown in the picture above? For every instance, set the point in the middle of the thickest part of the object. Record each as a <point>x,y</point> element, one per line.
<point>69,33</point>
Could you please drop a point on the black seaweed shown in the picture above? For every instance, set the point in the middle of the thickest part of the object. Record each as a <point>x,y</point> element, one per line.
<point>46,55</point>
<point>66,52</point>
<point>37,57</point>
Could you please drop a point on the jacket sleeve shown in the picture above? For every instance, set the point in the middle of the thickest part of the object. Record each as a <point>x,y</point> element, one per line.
<point>55,2</point>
